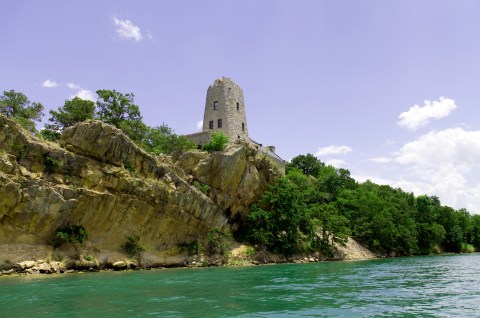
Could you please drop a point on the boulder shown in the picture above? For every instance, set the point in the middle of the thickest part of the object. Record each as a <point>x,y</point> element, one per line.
<point>26,264</point>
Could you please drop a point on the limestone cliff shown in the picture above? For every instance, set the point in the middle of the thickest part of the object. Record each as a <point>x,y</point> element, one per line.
<point>95,176</point>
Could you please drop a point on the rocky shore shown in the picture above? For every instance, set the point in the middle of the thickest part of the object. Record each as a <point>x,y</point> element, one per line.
<point>239,255</point>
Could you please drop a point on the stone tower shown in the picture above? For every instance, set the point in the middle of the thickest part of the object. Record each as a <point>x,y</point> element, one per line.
<point>225,110</point>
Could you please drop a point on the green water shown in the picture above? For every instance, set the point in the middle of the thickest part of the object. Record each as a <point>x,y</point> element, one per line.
<point>440,286</point>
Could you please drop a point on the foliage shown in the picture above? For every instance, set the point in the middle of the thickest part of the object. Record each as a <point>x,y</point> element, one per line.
<point>51,164</point>
<point>133,248</point>
<point>76,235</point>
<point>115,108</point>
<point>50,135</point>
<point>467,248</point>
<point>136,130</point>
<point>162,139</point>
<point>202,187</point>
<point>216,243</point>
<point>294,218</point>
<point>316,206</point>
<point>250,252</point>
<point>217,142</point>
<point>308,164</point>
<point>72,112</point>
<point>192,248</point>
<point>17,106</point>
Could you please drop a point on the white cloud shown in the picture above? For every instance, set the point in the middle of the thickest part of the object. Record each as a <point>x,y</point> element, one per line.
<point>374,179</point>
<point>49,84</point>
<point>199,124</point>
<point>389,142</point>
<point>337,163</point>
<point>84,94</point>
<point>444,163</point>
<point>418,116</point>
<point>126,30</point>
<point>380,159</point>
<point>333,150</point>
<point>73,86</point>
<point>454,145</point>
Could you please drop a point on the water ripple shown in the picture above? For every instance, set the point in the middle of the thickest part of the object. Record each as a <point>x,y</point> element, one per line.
<point>440,286</point>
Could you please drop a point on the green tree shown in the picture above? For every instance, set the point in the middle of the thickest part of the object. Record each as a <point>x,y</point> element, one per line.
<point>119,110</point>
<point>333,228</point>
<point>308,164</point>
<point>475,231</point>
<point>282,221</point>
<point>17,106</point>
<point>162,139</point>
<point>114,108</point>
<point>332,180</point>
<point>72,112</point>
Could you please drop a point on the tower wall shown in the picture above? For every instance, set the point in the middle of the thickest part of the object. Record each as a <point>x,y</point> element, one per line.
<point>225,101</point>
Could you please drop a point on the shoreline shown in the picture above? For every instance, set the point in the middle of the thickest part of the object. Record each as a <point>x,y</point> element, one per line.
<point>16,270</point>
<point>43,260</point>
<point>13,272</point>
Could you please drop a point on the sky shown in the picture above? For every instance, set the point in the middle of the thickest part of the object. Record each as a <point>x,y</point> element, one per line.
<point>389,90</point>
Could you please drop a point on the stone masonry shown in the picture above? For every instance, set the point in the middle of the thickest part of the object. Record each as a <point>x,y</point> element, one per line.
<point>225,112</point>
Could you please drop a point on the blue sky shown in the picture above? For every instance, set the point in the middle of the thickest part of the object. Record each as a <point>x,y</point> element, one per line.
<point>386,89</point>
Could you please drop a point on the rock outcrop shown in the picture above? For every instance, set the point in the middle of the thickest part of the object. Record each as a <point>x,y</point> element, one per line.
<point>98,178</point>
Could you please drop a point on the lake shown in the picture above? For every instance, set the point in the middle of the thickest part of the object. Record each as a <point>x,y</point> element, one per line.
<point>430,286</point>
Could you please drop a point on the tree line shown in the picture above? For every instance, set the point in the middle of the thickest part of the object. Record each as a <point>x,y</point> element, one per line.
<point>315,206</point>
<point>111,107</point>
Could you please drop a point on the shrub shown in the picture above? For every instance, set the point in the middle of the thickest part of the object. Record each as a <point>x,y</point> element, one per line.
<point>191,248</point>
<point>133,248</point>
<point>90,258</point>
<point>76,235</point>
<point>51,164</point>
<point>217,142</point>
<point>50,135</point>
<point>250,252</point>
<point>216,242</point>
<point>202,187</point>
<point>467,248</point>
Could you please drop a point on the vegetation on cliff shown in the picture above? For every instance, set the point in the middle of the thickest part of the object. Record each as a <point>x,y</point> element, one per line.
<point>17,106</point>
<point>112,107</point>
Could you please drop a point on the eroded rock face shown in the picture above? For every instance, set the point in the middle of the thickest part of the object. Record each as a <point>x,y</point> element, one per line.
<point>236,177</point>
<point>98,178</point>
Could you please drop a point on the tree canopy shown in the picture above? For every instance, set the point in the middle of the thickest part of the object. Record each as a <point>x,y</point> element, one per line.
<point>72,112</point>
<point>17,106</point>
<point>315,206</point>
<point>116,108</point>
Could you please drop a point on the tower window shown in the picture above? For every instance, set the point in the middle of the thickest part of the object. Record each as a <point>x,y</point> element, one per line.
<point>238,106</point>
<point>210,124</point>
<point>220,123</point>
<point>243,126</point>
<point>215,105</point>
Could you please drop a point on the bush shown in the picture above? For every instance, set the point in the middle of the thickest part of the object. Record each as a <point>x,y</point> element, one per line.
<point>192,248</point>
<point>217,142</point>
<point>51,164</point>
<point>202,187</point>
<point>133,248</point>
<point>162,139</point>
<point>76,235</point>
<point>467,248</point>
<point>50,135</point>
<point>216,242</point>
